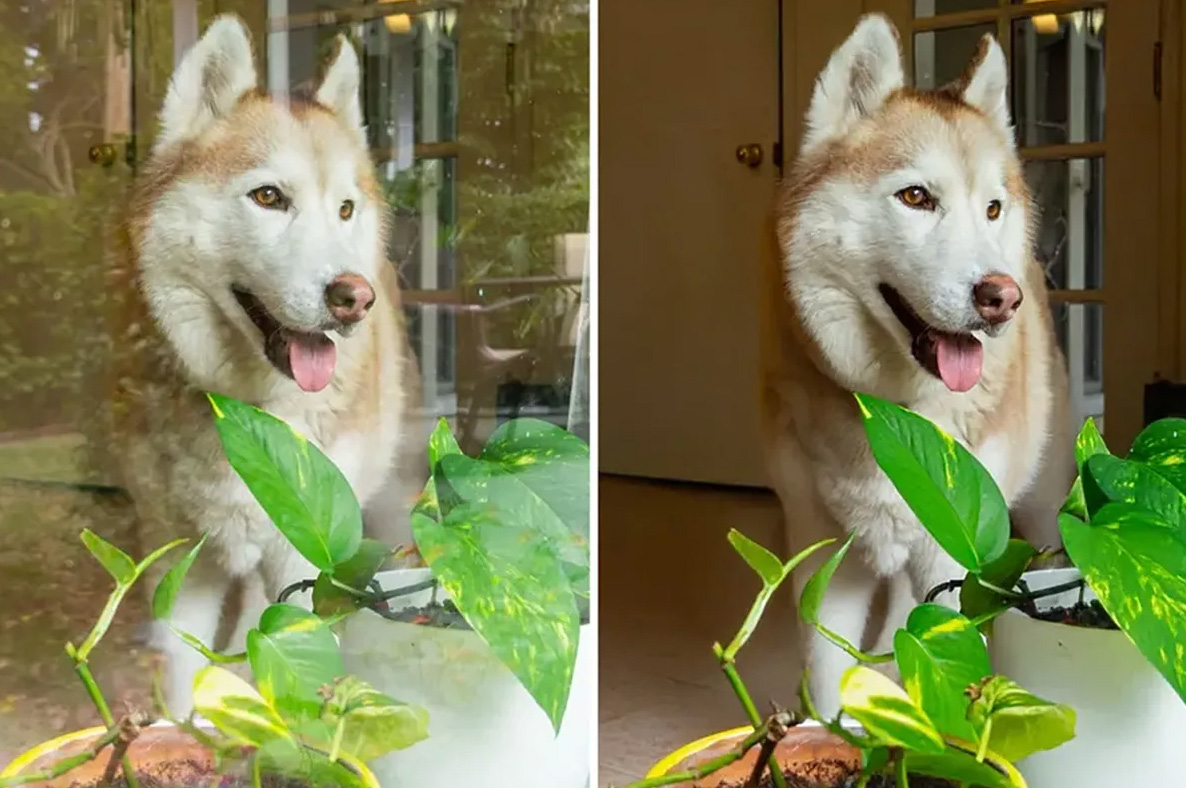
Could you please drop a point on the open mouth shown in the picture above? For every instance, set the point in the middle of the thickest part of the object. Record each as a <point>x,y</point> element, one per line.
<point>308,358</point>
<point>955,358</point>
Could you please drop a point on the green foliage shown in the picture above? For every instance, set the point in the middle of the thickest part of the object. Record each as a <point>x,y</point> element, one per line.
<point>506,535</point>
<point>951,493</point>
<point>1014,723</point>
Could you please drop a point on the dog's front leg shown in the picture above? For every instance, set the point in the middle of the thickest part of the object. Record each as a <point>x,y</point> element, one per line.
<point>844,611</point>
<point>197,612</point>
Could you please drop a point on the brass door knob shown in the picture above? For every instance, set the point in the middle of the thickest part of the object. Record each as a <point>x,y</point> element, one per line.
<point>750,155</point>
<point>103,155</point>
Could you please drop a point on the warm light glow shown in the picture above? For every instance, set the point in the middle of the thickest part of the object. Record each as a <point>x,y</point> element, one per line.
<point>1045,24</point>
<point>397,23</point>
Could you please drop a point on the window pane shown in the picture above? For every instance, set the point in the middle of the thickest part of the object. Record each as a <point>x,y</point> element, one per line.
<point>478,119</point>
<point>1080,330</point>
<point>1069,196</point>
<point>1058,78</point>
<point>942,56</point>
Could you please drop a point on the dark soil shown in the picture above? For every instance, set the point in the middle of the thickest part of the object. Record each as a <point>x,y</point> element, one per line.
<point>190,774</point>
<point>442,615</point>
<point>822,774</point>
<point>1082,614</point>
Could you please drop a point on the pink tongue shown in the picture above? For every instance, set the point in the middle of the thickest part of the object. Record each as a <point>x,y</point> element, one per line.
<point>959,357</point>
<point>312,358</point>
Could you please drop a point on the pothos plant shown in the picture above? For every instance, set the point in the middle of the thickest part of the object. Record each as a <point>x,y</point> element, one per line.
<point>505,534</point>
<point>1123,526</point>
<point>951,717</point>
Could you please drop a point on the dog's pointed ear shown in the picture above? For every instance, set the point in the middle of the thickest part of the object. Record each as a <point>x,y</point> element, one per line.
<point>860,75</point>
<point>339,86</point>
<point>985,84</point>
<point>216,72</point>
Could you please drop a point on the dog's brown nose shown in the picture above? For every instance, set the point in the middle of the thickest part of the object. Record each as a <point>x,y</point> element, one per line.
<point>997,297</point>
<point>349,298</point>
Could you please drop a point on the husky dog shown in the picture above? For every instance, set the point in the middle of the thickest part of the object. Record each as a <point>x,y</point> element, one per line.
<point>253,264</point>
<point>906,272</point>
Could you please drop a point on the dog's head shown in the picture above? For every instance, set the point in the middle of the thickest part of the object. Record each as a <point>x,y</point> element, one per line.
<point>261,219</point>
<point>907,215</point>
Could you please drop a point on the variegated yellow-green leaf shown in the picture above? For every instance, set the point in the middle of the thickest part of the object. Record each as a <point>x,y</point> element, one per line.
<point>962,768</point>
<point>293,654</point>
<point>512,589</point>
<point>308,766</point>
<point>301,490</point>
<point>478,481</point>
<point>371,723</point>
<point>1018,723</point>
<point>1162,446</point>
<point>1135,562</point>
<point>329,598</point>
<point>551,462</point>
<point>236,709</point>
<point>886,712</point>
<point>1088,444</point>
<point>940,654</point>
<point>947,488</point>
<point>1107,479</point>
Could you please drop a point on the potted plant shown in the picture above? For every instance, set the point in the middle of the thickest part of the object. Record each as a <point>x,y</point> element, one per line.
<point>310,722</point>
<point>951,722</point>
<point>1118,612</point>
<point>498,650</point>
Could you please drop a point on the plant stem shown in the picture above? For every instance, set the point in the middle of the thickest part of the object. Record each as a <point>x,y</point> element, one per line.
<point>92,688</point>
<point>64,765</point>
<point>706,768</point>
<point>982,750</point>
<point>751,711</point>
<point>851,650</point>
<point>256,777</point>
<point>336,745</point>
<point>903,778</point>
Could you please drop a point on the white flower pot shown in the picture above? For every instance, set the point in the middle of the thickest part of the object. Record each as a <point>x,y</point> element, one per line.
<point>1129,720</point>
<point>483,727</point>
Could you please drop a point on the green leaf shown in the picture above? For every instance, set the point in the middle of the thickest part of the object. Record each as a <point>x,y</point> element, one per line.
<point>1108,479</point>
<point>761,560</point>
<point>372,723</point>
<point>1018,723</point>
<point>813,591</point>
<point>166,591</point>
<point>946,487</point>
<point>1088,443</point>
<point>237,710</point>
<point>441,443</point>
<point>962,768</point>
<point>941,654</point>
<point>551,462</point>
<point>329,598</point>
<point>301,490</point>
<point>763,598</point>
<point>478,482</point>
<point>293,654</point>
<point>117,563</point>
<point>1162,446</point>
<point>1135,562</point>
<point>512,590</point>
<point>886,712</point>
<point>977,600</point>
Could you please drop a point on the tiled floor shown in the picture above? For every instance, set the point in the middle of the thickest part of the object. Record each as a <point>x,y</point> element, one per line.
<point>670,585</point>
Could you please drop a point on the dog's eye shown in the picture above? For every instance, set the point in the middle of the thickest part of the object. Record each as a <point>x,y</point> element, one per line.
<point>268,197</point>
<point>994,210</point>
<point>916,197</point>
<point>346,210</point>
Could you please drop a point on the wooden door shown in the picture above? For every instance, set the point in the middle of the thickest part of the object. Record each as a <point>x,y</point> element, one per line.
<point>682,228</point>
